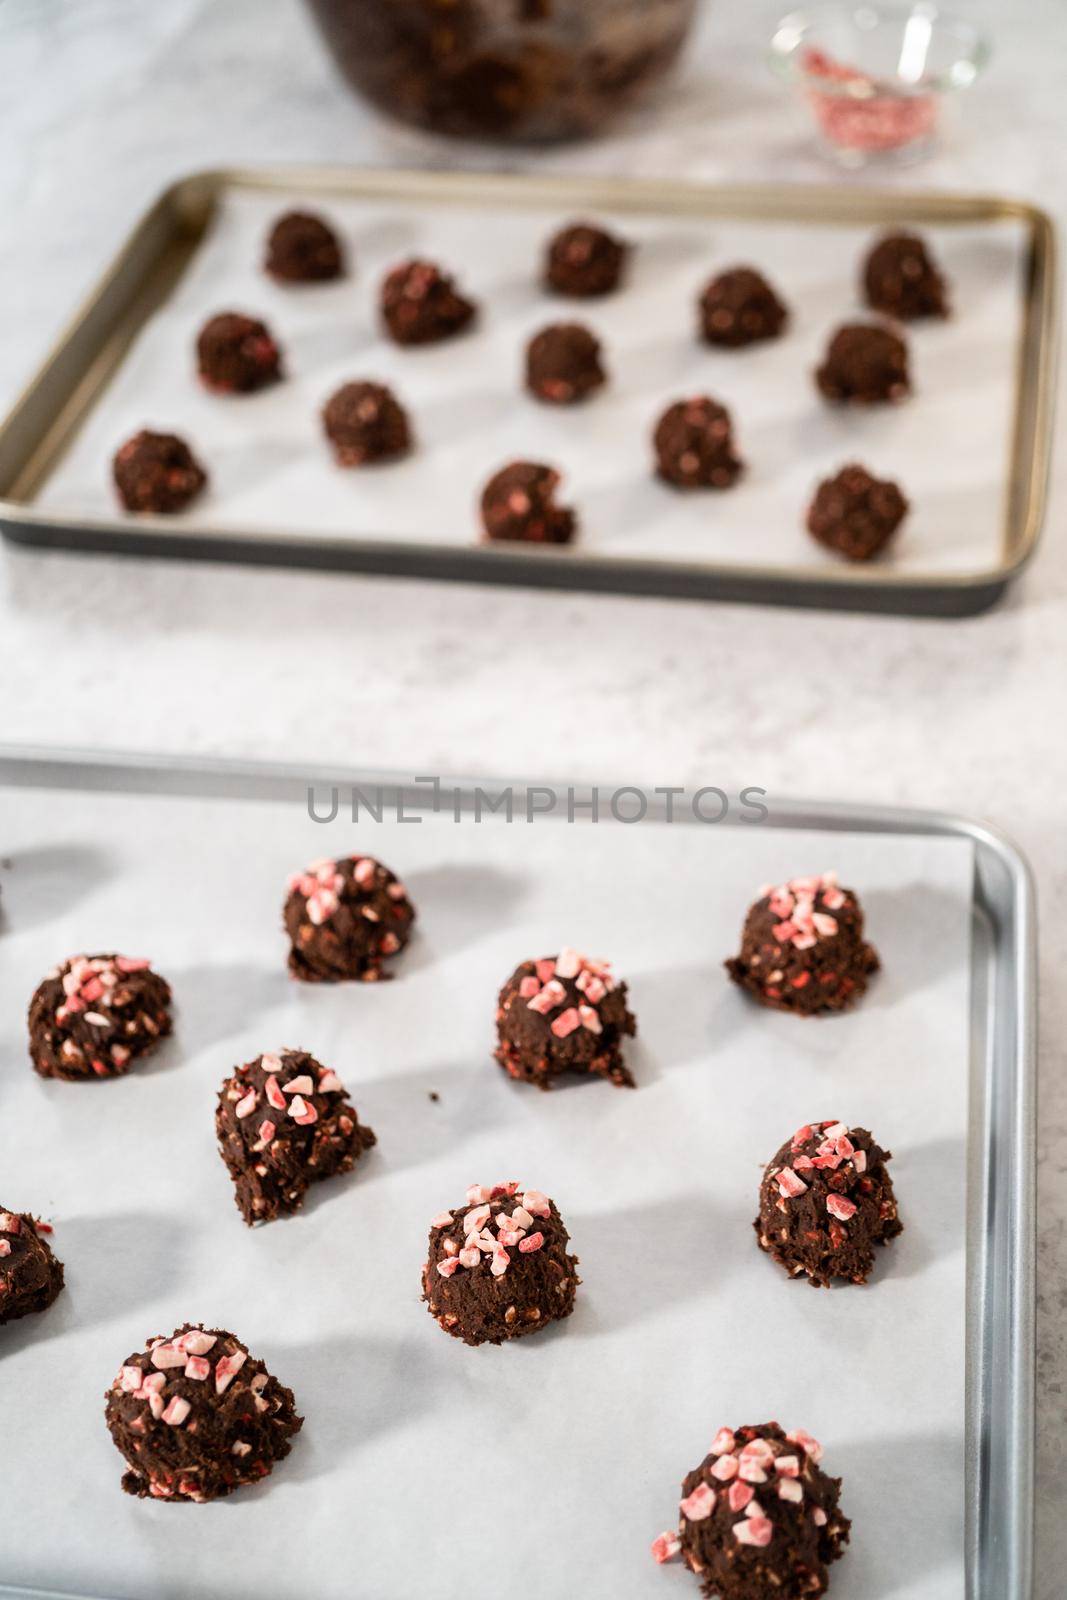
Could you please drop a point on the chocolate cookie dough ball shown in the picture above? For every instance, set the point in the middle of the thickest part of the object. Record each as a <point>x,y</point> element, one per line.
<point>196,1416</point>
<point>421,304</point>
<point>283,1122</point>
<point>901,280</point>
<point>759,1519</point>
<point>344,919</point>
<point>866,364</point>
<point>802,947</point>
<point>825,1201</point>
<point>855,514</point>
<point>563,364</point>
<point>564,1013</point>
<point>302,248</point>
<point>96,1016</point>
<point>236,354</point>
<point>365,423</point>
<point>694,445</point>
<point>498,1267</point>
<point>739,307</point>
<point>30,1275</point>
<point>519,502</point>
<point>156,472</point>
<point>584,261</point>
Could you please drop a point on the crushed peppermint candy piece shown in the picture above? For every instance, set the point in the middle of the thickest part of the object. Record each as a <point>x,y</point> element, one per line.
<point>791,1489</point>
<point>537,1203</point>
<point>666,1546</point>
<point>227,1368</point>
<point>450,1265</point>
<point>700,1504</point>
<point>839,1206</point>
<point>302,1084</point>
<point>811,1447</point>
<point>532,1242</point>
<point>302,1111</point>
<point>754,1530</point>
<point>725,1468</point>
<point>789,1185</point>
<point>740,1495</point>
<point>177,1411</point>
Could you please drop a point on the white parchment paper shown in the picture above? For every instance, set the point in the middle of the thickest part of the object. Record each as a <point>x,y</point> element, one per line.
<point>426,1469</point>
<point>271,469</point>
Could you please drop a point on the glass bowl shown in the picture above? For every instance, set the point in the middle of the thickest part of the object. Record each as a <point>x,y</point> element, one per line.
<point>876,78</point>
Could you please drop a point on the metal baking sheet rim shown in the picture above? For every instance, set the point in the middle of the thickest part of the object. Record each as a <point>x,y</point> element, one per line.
<point>1000,1294</point>
<point>45,416</point>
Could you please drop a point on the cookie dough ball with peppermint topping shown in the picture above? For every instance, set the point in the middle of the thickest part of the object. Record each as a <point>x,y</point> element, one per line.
<point>96,1016</point>
<point>498,1266</point>
<point>30,1275</point>
<point>825,1201</point>
<point>196,1416</point>
<point>802,947</point>
<point>283,1123</point>
<point>564,1013</point>
<point>344,919</point>
<point>759,1518</point>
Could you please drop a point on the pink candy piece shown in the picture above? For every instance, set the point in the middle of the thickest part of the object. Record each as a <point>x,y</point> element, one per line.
<point>270,1063</point>
<point>699,1505</point>
<point>447,1267</point>
<point>818,1516</point>
<point>754,1530</point>
<point>811,1447</point>
<point>330,1083</point>
<point>197,1367</point>
<point>302,1111</point>
<point>859,1160</point>
<point>477,1218</point>
<point>545,969</point>
<point>529,986</point>
<point>751,1471</point>
<point>500,1262</point>
<point>510,1237</point>
<point>740,1494</point>
<point>533,1200</point>
<point>240,1447</point>
<point>787,1466</point>
<point>566,1022</point>
<point>757,1450</point>
<point>363,870</point>
<point>267,1130</point>
<point>177,1411</point>
<point>532,1242</point>
<point>132,963</point>
<point>591,986</point>
<point>168,1355</point>
<point>521,1217</point>
<point>791,1489</point>
<point>274,1094</point>
<point>666,1546</point>
<point>789,1185</point>
<point>568,963</point>
<point>155,1403</point>
<point>503,1191</point>
<point>802,1136</point>
<point>725,1468</point>
<point>589,1019</point>
<point>478,1194</point>
<point>834,1130</point>
<point>130,1379</point>
<point>840,1207</point>
<point>469,1257</point>
<point>552,995</point>
<point>443,1219</point>
<point>303,1084</point>
<point>196,1342</point>
<point>227,1368</point>
<point>10,1223</point>
<point>247,1104</point>
<point>802,1164</point>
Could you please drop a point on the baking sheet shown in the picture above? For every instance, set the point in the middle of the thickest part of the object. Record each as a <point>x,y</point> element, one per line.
<point>681,1324</point>
<point>270,467</point>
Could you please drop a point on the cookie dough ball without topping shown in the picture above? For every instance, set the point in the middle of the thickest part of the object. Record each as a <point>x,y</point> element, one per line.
<point>30,1275</point>
<point>584,260</point>
<point>236,354</point>
<point>421,305</point>
<point>563,364</point>
<point>802,947</point>
<point>855,514</point>
<point>196,1417</point>
<point>825,1201</point>
<point>564,1013</point>
<point>156,472</point>
<point>95,1016</point>
<point>283,1123</point>
<point>499,1267</point>
<point>344,919</point>
<point>865,364</point>
<point>759,1519</point>
<point>901,280</point>
<point>302,248</point>
<point>365,423</point>
<point>739,307</point>
<point>694,445</point>
<point>519,502</point>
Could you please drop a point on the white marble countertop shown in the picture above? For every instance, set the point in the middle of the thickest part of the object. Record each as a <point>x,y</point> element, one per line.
<point>107,99</point>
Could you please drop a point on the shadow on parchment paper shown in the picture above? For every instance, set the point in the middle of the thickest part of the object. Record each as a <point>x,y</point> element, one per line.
<point>113,1265</point>
<point>346,1387</point>
<point>412,1126</point>
<point>46,881</point>
<point>683,1243</point>
<point>675,1010</point>
<point>901,1469</point>
<point>214,1002</point>
<point>448,419</point>
<point>928,950</point>
<point>929,1181</point>
<point>458,905</point>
